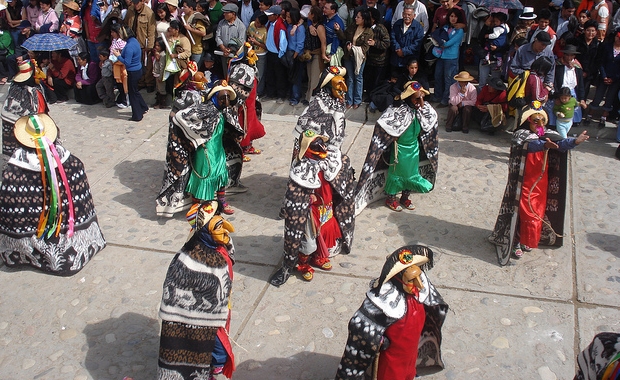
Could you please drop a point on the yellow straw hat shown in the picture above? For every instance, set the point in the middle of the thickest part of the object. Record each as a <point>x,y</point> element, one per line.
<point>29,128</point>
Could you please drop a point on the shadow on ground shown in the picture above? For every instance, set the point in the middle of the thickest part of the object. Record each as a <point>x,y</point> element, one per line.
<point>302,366</point>
<point>605,242</point>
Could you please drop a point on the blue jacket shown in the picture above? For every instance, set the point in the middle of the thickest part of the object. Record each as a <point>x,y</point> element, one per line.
<point>410,42</point>
<point>131,55</point>
<point>451,46</point>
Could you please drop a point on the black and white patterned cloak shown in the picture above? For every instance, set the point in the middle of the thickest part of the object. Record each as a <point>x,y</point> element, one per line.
<point>21,100</point>
<point>504,235</point>
<point>593,361</point>
<point>392,123</point>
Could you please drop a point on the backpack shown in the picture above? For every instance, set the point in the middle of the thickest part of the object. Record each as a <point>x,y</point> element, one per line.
<point>516,90</point>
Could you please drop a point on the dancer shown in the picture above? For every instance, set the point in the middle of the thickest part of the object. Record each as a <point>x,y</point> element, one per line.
<point>398,327</point>
<point>322,177</point>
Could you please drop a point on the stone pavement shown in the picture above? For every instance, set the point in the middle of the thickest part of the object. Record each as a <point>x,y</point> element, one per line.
<point>527,320</point>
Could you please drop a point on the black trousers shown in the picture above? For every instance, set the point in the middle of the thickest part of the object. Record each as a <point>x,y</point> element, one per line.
<point>276,77</point>
<point>138,105</point>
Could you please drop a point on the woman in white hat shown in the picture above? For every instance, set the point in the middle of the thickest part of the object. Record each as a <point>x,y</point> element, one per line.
<point>48,220</point>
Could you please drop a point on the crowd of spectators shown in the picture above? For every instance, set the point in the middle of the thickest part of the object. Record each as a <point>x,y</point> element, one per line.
<point>133,44</point>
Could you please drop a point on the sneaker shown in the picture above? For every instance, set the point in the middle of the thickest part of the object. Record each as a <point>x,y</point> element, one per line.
<point>121,105</point>
<point>517,252</point>
<point>393,205</point>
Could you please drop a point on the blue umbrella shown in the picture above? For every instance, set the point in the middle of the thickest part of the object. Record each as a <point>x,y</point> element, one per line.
<point>506,4</point>
<point>49,42</point>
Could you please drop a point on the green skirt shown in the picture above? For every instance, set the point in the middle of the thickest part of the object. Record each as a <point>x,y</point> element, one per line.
<point>209,172</point>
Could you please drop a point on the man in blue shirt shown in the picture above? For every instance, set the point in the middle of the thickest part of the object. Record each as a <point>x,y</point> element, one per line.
<point>330,10</point>
<point>276,78</point>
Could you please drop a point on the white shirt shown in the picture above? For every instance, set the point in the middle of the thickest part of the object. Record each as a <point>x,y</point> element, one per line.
<point>570,78</point>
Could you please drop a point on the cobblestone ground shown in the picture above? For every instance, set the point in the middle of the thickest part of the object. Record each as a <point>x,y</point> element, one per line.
<point>527,320</point>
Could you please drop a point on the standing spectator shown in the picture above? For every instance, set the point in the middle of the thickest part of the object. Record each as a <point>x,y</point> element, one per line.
<point>462,101</point>
<point>526,20</point>
<point>376,69</point>
<point>568,9</point>
<point>47,22</point>
<point>564,108</point>
<point>91,24</point>
<point>141,20</point>
<point>159,66</point>
<point>214,11</point>
<point>257,37</point>
<point>600,14</point>
<point>230,31</point>
<point>355,38</point>
<point>316,44</point>
<point>528,53</point>
<point>72,23</point>
<point>373,4</point>
<point>162,19</point>
<point>583,17</point>
<point>441,15</point>
<point>60,76</point>
<point>609,78</point>
<point>390,7</point>
<point>535,88</point>
<point>105,86</point>
<point>330,10</point>
<point>275,74</point>
<point>131,57</point>
<point>196,25</point>
<point>296,33</point>
<point>15,13</point>
<point>419,11</point>
<point>86,78</point>
<point>247,11</point>
<point>587,46</point>
<point>448,54</point>
<point>347,11</point>
<point>118,68</point>
<point>181,51</point>
<point>568,74</point>
<point>173,7</point>
<point>406,38</point>
<point>542,26</point>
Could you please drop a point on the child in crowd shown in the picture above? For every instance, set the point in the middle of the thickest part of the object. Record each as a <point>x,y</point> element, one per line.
<point>105,86</point>
<point>257,36</point>
<point>210,70</point>
<point>159,64</point>
<point>497,40</point>
<point>564,109</point>
<point>120,72</point>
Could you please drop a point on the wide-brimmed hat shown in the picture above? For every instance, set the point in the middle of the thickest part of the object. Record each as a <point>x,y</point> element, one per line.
<point>528,14</point>
<point>174,3</point>
<point>26,70</point>
<point>533,109</point>
<point>222,85</point>
<point>497,84</point>
<point>543,37</point>
<point>570,49</point>
<point>30,128</point>
<point>230,8</point>
<point>273,10</point>
<point>72,5</point>
<point>410,88</point>
<point>463,76</point>
<point>402,259</point>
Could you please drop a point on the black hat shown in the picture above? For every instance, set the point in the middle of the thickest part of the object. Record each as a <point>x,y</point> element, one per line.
<point>544,38</point>
<point>570,49</point>
<point>497,84</point>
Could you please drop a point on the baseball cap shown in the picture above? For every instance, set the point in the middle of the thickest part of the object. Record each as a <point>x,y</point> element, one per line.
<point>273,10</point>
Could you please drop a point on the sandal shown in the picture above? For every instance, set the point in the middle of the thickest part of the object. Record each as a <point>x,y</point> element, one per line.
<point>526,248</point>
<point>226,209</point>
<point>407,204</point>
<point>252,150</point>
<point>321,263</point>
<point>393,205</point>
<point>307,272</point>
<point>246,158</point>
<point>517,252</point>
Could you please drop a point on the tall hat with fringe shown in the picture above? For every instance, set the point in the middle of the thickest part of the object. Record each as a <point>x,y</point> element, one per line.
<point>39,132</point>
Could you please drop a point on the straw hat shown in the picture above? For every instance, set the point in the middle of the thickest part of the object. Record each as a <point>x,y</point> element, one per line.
<point>463,76</point>
<point>30,128</point>
<point>403,258</point>
<point>72,5</point>
<point>533,109</point>
<point>26,70</point>
<point>410,88</point>
<point>222,85</point>
<point>174,3</point>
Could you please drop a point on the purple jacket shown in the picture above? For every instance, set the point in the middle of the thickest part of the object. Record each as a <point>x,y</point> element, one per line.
<point>93,72</point>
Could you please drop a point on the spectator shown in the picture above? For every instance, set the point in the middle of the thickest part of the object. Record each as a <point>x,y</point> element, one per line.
<point>406,40</point>
<point>15,13</point>
<point>535,88</point>
<point>105,86</point>
<point>355,38</point>
<point>141,20</point>
<point>173,8</point>
<point>91,24</point>
<point>47,22</point>
<point>118,68</point>
<point>196,25</point>
<point>296,34</point>
<point>390,7</point>
<point>159,66</point>
<point>448,53</point>
<point>497,40</point>
<point>72,23</point>
<point>568,74</point>
<point>214,11</point>
<point>6,49</point>
<point>60,77</point>
<point>162,19</point>
<point>542,26</point>
<point>564,108</point>
<point>600,14</point>
<point>528,53</point>
<point>412,74</point>
<point>230,34</point>
<point>609,78</point>
<point>491,106</point>
<point>583,17</point>
<point>568,9</point>
<point>316,45</point>
<point>330,10</point>
<point>587,46</point>
<point>86,78</point>
<point>526,20</point>
<point>376,69</point>
<point>247,11</point>
<point>441,15</point>
<point>347,12</point>
<point>373,4</point>
<point>275,75</point>
<point>419,11</point>
<point>180,52</point>
<point>462,101</point>
<point>33,10</point>
<point>131,57</point>
<point>257,37</point>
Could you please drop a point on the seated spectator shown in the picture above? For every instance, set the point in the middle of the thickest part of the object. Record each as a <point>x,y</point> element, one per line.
<point>491,106</point>
<point>47,22</point>
<point>412,74</point>
<point>462,101</point>
<point>60,76</point>
<point>6,49</point>
<point>33,10</point>
<point>86,78</point>
<point>105,86</point>
<point>15,13</point>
